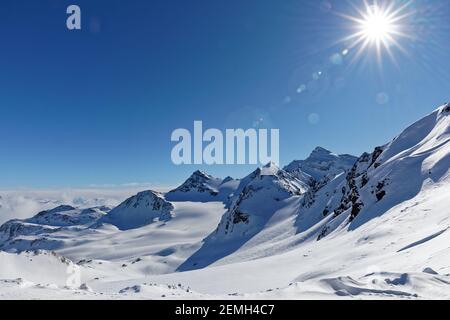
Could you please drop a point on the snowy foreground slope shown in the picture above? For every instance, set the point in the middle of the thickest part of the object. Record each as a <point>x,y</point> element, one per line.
<point>328,227</point>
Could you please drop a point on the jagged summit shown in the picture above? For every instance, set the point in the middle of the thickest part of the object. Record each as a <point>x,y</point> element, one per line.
<point>271,164</point>
<point>321,164</point>
<point>200,182</point>
<point>271,175</point>
<point>270,169</point>
<point>203,187</point>
<point>201,174</point>
<point>227,179</point>
<point>319,151</point>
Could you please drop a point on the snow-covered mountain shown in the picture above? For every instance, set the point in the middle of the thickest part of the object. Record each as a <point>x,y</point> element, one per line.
<point>327,226</point>
<point>64,216</point>
<point>321,166</point>
<point>258,197</point>
<point>392,173</point>
<point>35,233</point>
<point>139,210</point>
<point>269,185</point>
<point>203,187</point>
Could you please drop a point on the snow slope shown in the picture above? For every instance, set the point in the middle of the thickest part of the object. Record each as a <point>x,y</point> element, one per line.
<point>158,247</point>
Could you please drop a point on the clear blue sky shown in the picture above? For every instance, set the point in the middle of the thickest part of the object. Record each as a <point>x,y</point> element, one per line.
<point>97,106</point>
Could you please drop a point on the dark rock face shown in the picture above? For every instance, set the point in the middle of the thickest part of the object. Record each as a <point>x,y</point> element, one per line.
<point>375,155</point>
<point>380,195</point>
<point>239,217</point>
<point>359,172</point>
<point>357,179</point>
<point>323,233</point>
<point>380,192</point>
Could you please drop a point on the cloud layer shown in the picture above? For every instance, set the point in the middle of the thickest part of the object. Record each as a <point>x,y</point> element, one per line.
<point>21,204</point>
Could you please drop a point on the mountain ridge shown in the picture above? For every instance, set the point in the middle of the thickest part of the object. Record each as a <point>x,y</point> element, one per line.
<point>331,216</point>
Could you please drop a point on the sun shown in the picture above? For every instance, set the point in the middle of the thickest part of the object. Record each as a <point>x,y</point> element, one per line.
<point>378,26</point>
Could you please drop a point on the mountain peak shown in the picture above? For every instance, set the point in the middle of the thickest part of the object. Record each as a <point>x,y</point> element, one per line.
<point>51,213</point>
<point>228,178</point>
<point>270,169</point>
<point>321,164</point>
<point>321,154</point>
<point>142,198</point>
<point>148,193</point>
<point>320,150</point>
<point>140,210</point>
<point>271,164</point>
<point>200,186</point>
<point>199,173</point>
<point>61,208</point>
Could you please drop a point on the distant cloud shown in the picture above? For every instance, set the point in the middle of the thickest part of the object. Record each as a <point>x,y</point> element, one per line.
<point>22,204</point>
<point>141,185</point>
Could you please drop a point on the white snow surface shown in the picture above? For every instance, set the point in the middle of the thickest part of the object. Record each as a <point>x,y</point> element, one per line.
<point>373,227</point>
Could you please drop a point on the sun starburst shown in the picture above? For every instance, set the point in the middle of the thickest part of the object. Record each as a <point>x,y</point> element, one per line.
<point>377,26</point>
<point>380,27</point>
